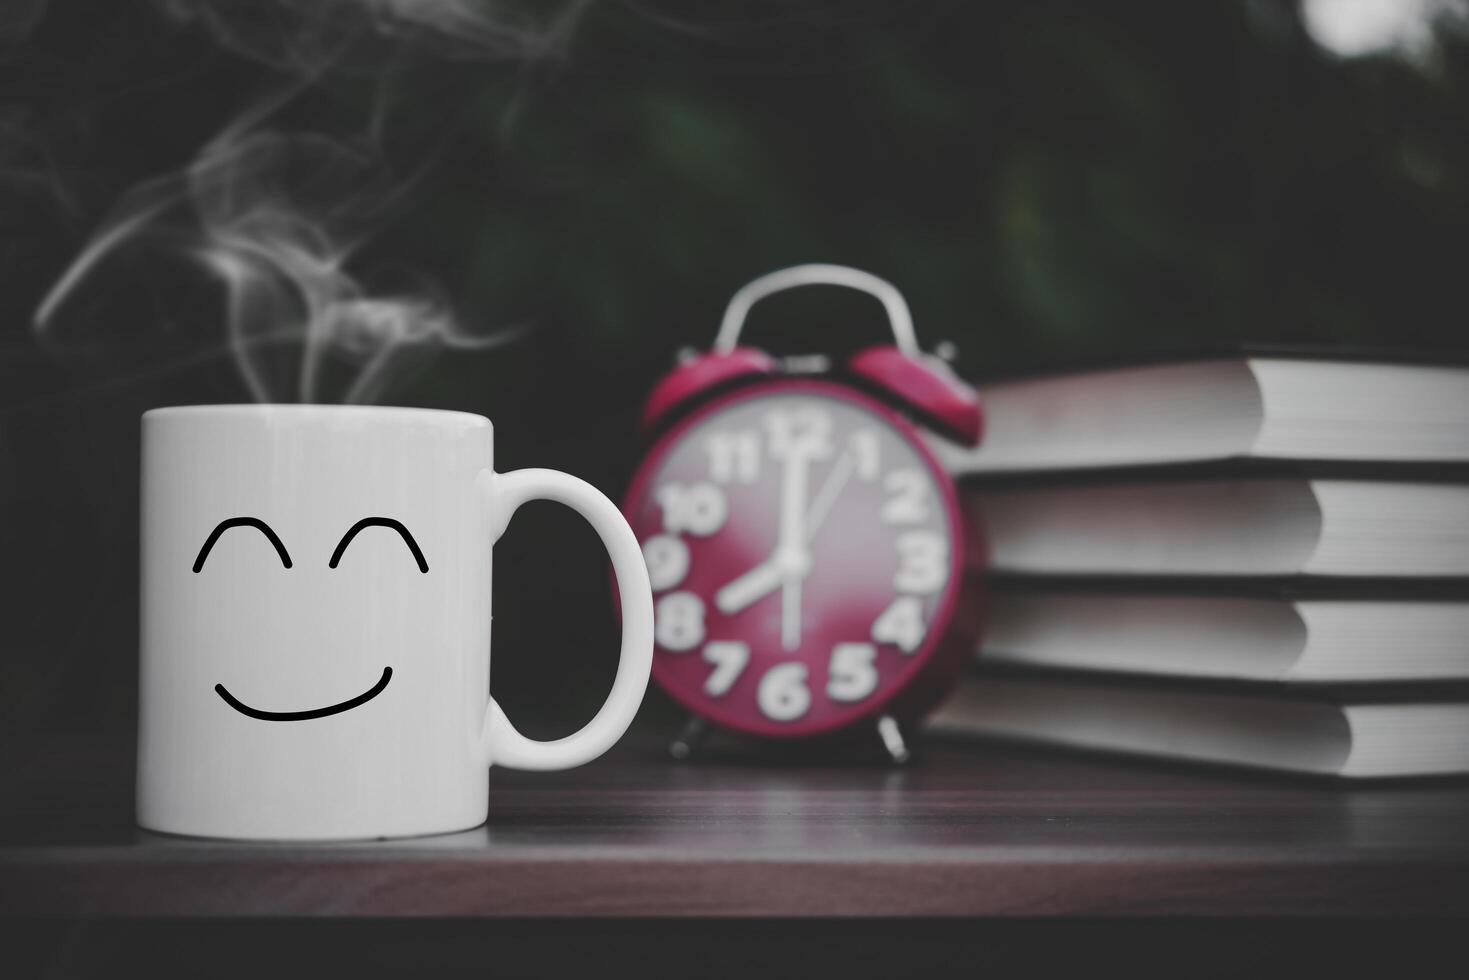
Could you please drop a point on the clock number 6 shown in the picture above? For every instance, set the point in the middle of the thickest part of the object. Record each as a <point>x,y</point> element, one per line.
<point>782,694</point>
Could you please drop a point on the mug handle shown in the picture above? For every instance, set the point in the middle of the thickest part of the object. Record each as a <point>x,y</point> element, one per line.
<point>503,493</point>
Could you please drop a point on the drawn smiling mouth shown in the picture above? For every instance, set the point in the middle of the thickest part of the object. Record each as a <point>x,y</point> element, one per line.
<point>330,709</point>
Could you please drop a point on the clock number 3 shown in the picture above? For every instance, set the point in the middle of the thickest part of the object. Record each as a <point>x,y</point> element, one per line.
<point>923,562</point>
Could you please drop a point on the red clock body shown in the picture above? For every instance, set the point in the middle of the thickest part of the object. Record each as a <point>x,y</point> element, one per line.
<point>807,557</point>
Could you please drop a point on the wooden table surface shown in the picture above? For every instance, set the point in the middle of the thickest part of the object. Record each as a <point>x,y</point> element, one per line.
<point>969,830</point>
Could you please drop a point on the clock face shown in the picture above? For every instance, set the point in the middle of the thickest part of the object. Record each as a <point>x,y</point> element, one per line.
<point>803,552</point>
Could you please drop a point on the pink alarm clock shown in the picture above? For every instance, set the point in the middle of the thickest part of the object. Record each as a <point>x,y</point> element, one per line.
<point>806,550</point>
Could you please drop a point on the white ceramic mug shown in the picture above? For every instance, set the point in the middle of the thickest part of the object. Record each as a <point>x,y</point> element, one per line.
<point>316,621</point>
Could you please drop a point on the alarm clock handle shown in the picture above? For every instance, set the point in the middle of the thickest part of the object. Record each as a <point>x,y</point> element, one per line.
<point>500,743</point>
<point>818,274</point>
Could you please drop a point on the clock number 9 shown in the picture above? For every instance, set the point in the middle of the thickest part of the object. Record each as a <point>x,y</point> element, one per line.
<point>667,558</point>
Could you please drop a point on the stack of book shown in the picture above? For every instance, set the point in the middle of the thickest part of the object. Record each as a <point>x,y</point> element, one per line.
<point>1260,560</point>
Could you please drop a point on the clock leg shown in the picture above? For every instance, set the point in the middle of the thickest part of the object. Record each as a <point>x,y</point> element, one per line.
<point>892,739</point>
<point>687,742</point>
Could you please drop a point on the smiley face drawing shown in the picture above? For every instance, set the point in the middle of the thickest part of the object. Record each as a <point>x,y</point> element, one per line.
<point>285,557</point>
<point>266,596</point>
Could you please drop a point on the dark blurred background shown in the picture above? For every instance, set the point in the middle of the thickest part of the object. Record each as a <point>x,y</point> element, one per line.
<point>525,210</point>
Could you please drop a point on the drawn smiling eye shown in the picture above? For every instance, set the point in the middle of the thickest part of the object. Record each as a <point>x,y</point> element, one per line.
<point>387,522</point>
<point>254,522</point>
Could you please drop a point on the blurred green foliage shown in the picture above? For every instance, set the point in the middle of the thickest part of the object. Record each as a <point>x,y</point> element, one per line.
<point>1046,181</point>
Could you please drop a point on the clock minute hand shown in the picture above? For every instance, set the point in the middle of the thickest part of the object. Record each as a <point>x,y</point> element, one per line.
<point>793,545</point>
<point>792,537</point>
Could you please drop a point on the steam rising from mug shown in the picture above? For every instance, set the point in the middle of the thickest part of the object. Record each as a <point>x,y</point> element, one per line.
<point>301,35</point>
<point>279,219</point>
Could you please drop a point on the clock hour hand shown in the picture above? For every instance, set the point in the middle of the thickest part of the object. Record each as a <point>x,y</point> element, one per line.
<point>760,581</point>
<point>764,578</point>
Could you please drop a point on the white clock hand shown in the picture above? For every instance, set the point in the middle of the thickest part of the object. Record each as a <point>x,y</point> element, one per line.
<point>758,582</point>
<point>790,613</point>
<point>793,545</point>
<point>806,525</point>
<point>826,496</point>
<point>793,502</point>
